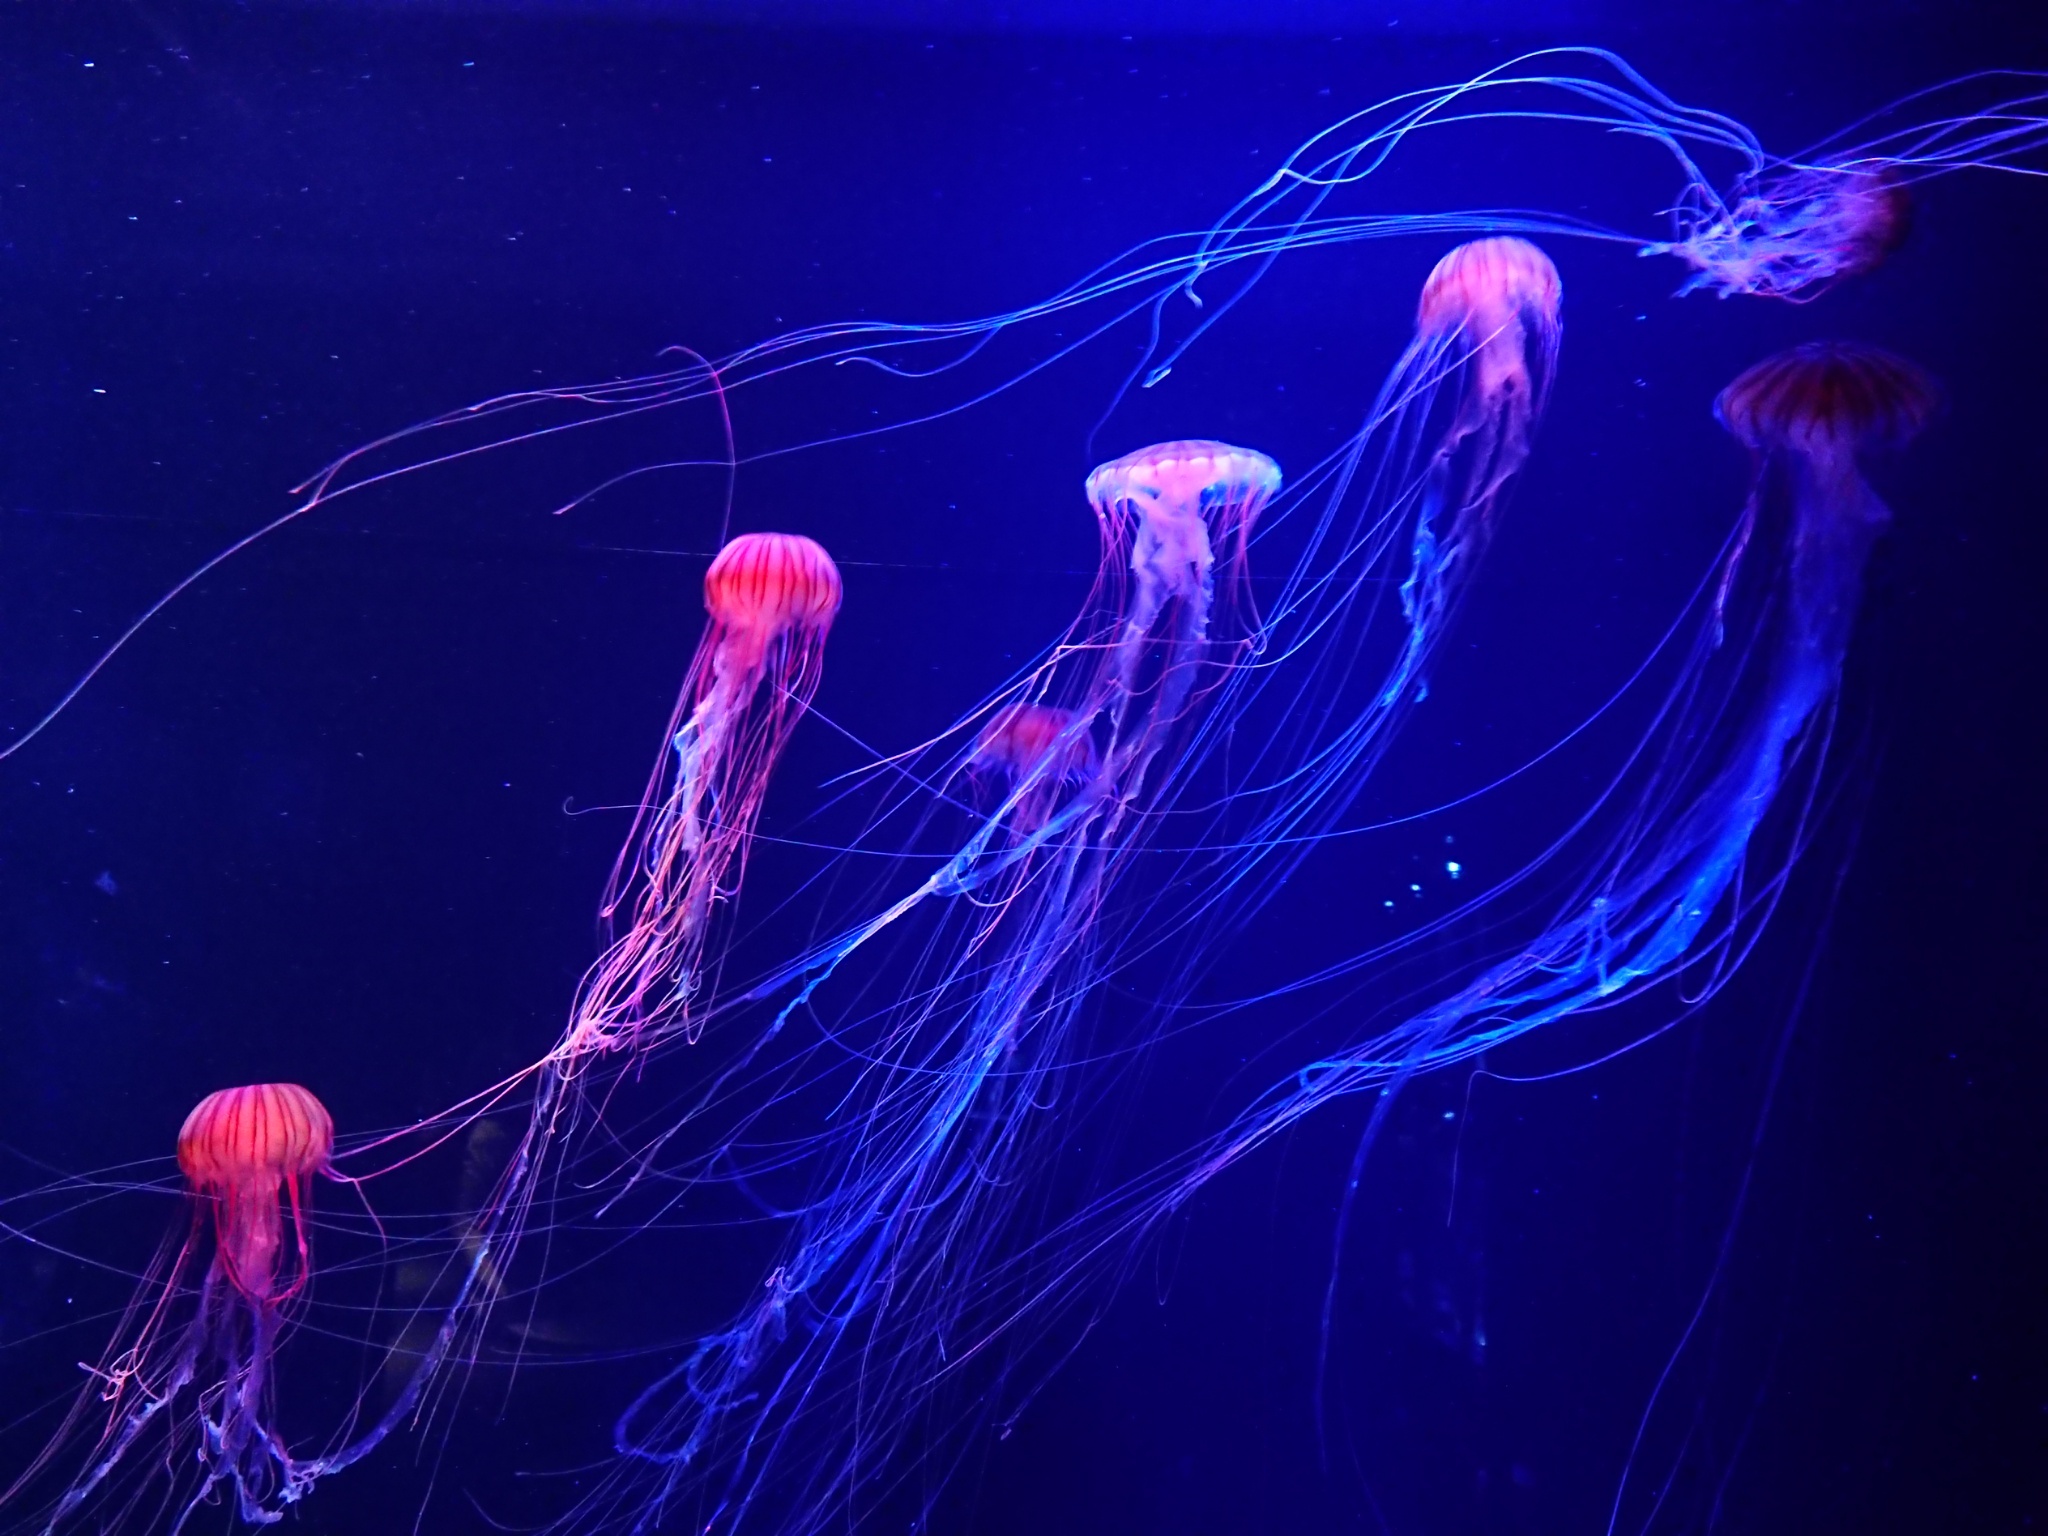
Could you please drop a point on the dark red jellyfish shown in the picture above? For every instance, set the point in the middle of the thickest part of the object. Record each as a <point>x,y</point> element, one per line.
<point>1809,415</point>
<point>1826,399</point>
<point>771,598</point>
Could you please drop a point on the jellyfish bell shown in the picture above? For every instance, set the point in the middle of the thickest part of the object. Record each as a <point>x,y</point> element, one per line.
<point>1182,496</point>
<point>1485,286</point>
<point>243,1149</point>
<point>1039,751</point>
<point>763,587</point>
<point>1825,398</point>
<point>1187,479</point>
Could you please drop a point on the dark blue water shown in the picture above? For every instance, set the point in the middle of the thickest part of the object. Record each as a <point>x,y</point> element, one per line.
<point>311,826</point>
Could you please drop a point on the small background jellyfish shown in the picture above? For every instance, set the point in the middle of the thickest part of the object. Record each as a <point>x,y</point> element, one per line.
<point>1048,750</point>
<point>1170,504</point>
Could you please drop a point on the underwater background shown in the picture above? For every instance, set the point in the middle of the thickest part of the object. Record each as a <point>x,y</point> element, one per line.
<point>314,824</point>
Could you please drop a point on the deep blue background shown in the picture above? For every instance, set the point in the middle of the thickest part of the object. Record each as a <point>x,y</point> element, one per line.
<point>326,789</point>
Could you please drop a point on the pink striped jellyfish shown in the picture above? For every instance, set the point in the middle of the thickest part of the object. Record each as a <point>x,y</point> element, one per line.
<point>188,1380</point>
<point>771,599</point>
<point>1497,302</point>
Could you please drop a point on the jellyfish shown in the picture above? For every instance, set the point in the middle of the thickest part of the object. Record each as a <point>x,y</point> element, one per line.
<point>1791,233</point>
<point>187,1388</point>
<point>771,599</point>
<point>1163,499</point>
<point>1043,750</point>
<point>239,1149</point>
<point>249,1156</point>
<point>1494,305</point>
<point>1499,298</point>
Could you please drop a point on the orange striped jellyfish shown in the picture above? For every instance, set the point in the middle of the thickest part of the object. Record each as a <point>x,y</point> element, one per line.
<point>248,1155</point>
<point>771,598</point>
